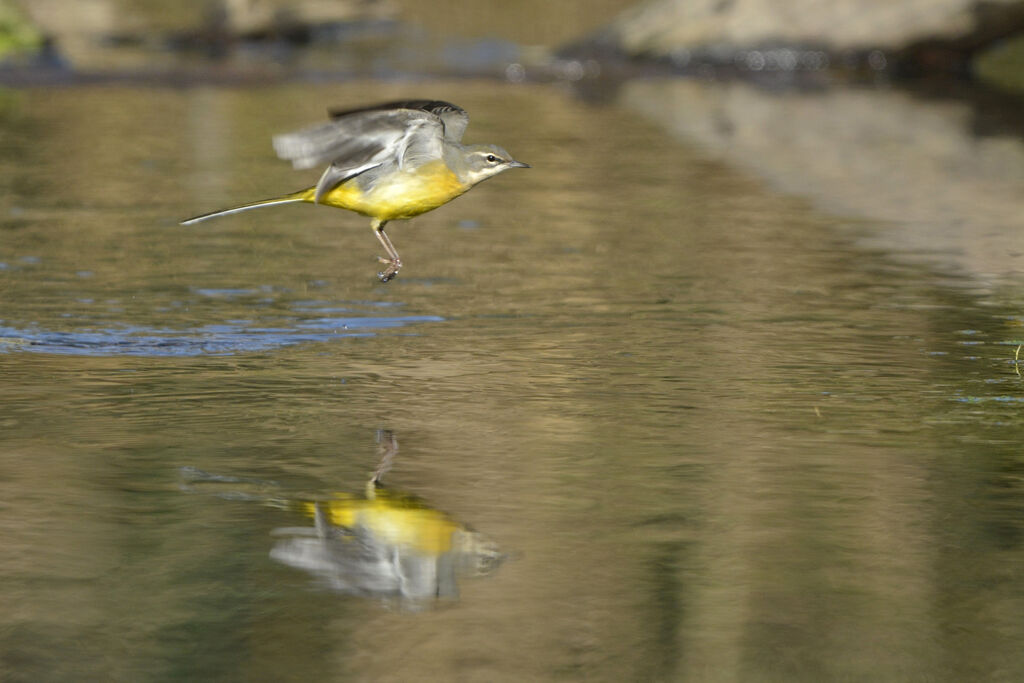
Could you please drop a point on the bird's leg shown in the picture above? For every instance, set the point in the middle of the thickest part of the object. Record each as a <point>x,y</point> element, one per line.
<point>394,264</point>
<point>388,448</point>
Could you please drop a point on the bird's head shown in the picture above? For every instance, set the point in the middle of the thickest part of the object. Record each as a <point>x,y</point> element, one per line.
<point>484,161</point>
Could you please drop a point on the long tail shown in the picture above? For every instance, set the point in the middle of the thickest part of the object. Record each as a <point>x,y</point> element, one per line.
<point>300,196</point>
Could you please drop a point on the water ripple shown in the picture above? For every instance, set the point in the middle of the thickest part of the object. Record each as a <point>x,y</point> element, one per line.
<point>215,340</point>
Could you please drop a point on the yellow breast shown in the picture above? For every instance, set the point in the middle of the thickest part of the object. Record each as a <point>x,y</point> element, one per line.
<point>402,194</point>
<point>391,520</point>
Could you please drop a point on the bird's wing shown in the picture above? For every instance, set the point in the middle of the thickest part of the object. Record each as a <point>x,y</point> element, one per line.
<point>453,117</point>
<point>407,134</point>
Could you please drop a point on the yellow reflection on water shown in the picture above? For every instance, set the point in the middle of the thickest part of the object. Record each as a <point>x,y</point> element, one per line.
<point>384,544</point>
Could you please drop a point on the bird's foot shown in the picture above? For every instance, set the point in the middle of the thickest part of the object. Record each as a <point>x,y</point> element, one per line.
<point>393,266</point>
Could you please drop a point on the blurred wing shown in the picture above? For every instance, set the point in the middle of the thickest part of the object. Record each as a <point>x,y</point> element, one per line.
<point>454,118</point>
<point>354,142</point>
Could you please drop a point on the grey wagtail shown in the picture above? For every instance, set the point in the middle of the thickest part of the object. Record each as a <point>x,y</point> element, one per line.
<point>388,161</point>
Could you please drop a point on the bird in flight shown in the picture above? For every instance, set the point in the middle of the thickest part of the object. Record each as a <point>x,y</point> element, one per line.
<point>389,162</point>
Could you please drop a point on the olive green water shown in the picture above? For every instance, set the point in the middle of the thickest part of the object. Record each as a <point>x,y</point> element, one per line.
<point>705,429</point>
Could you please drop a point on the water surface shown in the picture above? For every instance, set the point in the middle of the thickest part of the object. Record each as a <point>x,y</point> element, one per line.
<point>710,428</point>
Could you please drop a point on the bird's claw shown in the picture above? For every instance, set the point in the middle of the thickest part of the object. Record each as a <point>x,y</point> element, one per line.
<point>393,266</point>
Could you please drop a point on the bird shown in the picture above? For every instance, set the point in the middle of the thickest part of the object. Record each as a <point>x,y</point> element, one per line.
<point>388,162</point>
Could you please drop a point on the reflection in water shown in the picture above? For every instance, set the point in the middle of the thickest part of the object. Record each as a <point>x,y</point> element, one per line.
<point>209,340</point>
<point>920,166</point>
<point>385,544</point>
<point>303,322</point>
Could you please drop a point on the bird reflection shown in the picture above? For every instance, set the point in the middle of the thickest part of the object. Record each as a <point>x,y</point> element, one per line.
<point>383,544</point>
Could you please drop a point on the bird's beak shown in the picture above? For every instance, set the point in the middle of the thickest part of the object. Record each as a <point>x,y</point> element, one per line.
<point>517,164</point>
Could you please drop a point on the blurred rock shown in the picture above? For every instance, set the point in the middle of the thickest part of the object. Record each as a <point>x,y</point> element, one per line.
<point>97,20</point>
<point>661,26</point>
<point>928,35</point>
<point>262,17</point>
<point>91,34</point>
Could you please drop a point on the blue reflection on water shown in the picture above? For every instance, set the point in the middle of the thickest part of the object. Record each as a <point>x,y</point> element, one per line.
<point>217,340</point>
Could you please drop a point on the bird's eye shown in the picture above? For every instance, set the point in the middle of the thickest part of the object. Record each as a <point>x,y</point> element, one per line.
<point>491,158</point>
